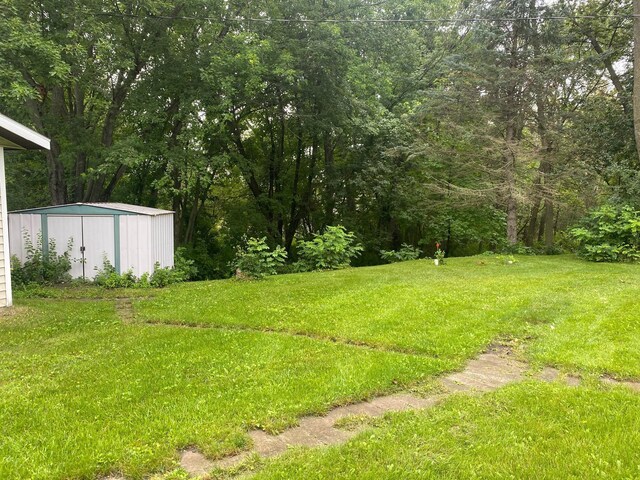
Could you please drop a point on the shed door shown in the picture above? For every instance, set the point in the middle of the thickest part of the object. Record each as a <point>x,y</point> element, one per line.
<point>93,241</point>
<point>98,242</point>
<point>65,231</point>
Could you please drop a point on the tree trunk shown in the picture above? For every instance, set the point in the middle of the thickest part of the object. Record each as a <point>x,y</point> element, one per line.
<point>294,212</point>
<point>330,179</point>
<point>636,73</point>
<point>57,183</point>
<point>549,223</point>
<point>530,233</point>
<point>510,179</point>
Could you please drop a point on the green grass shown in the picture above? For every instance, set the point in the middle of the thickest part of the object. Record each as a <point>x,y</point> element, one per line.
<point>83,393</point>
<point>577,315</point>
<point>526,431</point>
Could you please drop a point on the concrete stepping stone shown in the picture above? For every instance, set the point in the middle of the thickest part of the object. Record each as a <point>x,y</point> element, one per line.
<point>626,383</point>
<point>550,374</point>
<point>232,461</point>
<point>489,371</point>
<point>195,463</point>
<point>267,445</point>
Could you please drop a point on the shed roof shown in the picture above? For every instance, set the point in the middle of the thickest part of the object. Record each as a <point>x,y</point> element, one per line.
<point>106,208</point>
<point>14,135</point>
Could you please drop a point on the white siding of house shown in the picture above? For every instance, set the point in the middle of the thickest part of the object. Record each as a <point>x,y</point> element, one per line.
<point>6,299</point>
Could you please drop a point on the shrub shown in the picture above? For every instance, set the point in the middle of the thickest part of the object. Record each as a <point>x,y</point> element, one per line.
<point>406,252</point>
<point>331,250</point>
<point>49,269</point>
<point>609,234</point>
<point>184,267</point>
<point>255,259</point>
<point>108,277</point>
<point>163,276</point>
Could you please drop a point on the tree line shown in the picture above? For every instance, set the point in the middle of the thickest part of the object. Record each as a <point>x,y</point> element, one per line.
<point>477,124</point>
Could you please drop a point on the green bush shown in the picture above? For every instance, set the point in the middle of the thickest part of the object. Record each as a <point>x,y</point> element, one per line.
<point>255,259</point>
<point>183,267</point>
<point>183,270</point>
<point>331,250</point>
<point>108,277</point>
<point>406,252</point>
<point>163,276</point>
<point>609,234</point>
<point>40,268</point>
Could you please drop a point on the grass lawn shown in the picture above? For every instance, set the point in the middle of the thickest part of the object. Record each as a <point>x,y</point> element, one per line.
<point>574,314</point>
<point>83,393</point>
<point>525,431</point>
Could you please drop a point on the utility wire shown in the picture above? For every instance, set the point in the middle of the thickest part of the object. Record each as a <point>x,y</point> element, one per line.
<point>370,21</point>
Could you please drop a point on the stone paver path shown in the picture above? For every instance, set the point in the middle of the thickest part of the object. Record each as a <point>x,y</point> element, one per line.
<point>491,370</point>
<point>487,372</point>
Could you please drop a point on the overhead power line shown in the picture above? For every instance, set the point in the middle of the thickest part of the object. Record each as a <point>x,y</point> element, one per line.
<point>372,20</point>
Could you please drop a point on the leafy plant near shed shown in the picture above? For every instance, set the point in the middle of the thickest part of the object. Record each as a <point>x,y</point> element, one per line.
<point>40,267</point>
<point>182,270</point>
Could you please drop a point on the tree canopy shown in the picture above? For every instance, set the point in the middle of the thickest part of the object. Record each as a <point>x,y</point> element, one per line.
<point>478,124</point>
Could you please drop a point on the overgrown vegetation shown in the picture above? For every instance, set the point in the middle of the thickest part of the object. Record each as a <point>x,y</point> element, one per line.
<point>610,234</point>
<point>182,270</point>
<point>42,268</point>
<point>333,249</point>
<point>404,253</point>
<point>254,258</point>
<point>506,130</point>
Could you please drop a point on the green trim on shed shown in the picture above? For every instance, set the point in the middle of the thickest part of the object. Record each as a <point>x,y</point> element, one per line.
<point>116,242</point>
<point>44,230</point>
<point>75,210</point>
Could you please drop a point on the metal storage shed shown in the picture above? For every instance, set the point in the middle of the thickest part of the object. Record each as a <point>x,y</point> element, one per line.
<point>130,237</point>
<point>13,136</point>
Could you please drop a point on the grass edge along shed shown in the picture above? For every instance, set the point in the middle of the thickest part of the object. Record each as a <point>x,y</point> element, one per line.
<point>13,136</point>
<point>130,237</point>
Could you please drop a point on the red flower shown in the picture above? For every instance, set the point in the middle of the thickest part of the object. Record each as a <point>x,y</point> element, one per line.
<point>438,245</point>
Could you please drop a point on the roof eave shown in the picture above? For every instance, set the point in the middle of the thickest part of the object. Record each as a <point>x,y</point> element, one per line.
<point>14,135</point>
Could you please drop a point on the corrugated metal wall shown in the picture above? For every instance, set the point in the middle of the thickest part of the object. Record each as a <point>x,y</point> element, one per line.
<point>20,225</point>
<point>136,252</point>
<point>162,227</point>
